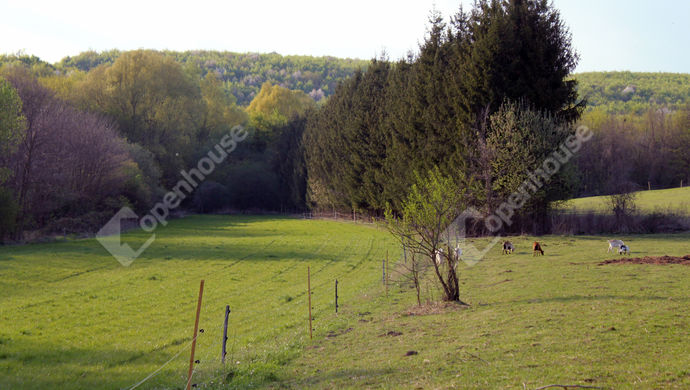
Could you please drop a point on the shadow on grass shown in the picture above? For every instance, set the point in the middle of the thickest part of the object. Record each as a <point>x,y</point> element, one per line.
<point>32,364</point>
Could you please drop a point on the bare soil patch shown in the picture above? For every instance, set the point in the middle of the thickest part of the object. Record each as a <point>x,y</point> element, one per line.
<point>661,260</point>
<point>434,308</point>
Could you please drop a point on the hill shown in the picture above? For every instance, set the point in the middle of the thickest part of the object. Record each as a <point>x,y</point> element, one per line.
<point>633,92</point>
<point>244,73</point>
<point>672,199</point>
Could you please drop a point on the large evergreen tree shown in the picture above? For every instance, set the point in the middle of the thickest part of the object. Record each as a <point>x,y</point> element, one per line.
<point>432,109</point>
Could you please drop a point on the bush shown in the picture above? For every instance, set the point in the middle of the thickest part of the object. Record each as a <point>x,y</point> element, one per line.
<point>252,185</point>
<point>210,197</point>
<point>8,212</point>
<point>90,222</point>
<point>594,223</point>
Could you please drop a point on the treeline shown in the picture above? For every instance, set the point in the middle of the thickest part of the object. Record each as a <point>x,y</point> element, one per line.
<point>635,152</point>
<point>61,168</point>
<point>241,74</point>
<point>486,99</point>
<point>633,92</point>
<point>77,148</point>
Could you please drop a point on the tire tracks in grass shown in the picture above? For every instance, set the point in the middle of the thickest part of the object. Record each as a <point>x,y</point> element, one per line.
<point>296,284</point>
<point>79,273</point>
<point>254,253</point>
<point>146,294</point>
<point>296,263</point>
<point>366,257</point>
<point>164,288</point>
<point>340,256</point>
<point>76,293</point>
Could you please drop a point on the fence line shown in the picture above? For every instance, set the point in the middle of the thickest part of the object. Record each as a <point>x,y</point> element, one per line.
<point>204,359</point>
<point>356,217</point>
<point>152,374</point>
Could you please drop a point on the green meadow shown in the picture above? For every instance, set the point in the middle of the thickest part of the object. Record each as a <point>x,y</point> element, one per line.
<point>676,200</point>
<point>72,317</point>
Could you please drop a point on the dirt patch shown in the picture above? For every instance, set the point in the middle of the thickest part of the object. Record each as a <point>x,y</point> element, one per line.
<point>332,334</point>
<point>662,260</point>
<point>391,333</point>
<point>434,308</point>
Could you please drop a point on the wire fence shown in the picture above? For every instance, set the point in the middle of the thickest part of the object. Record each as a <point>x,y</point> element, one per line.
<point>157,370</point>
<point>337,215</point>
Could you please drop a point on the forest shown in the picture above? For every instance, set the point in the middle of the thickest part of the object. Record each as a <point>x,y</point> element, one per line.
<point>241,74</point>
<point>634,93</point>
<point>95,132</point>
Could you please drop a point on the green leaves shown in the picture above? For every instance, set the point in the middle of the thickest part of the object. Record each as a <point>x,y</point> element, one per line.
<point>12,124</point>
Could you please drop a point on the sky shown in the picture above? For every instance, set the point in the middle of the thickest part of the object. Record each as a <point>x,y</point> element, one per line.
<point>644,36</point>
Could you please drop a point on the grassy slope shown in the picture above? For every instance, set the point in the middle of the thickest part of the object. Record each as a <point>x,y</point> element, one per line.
<point>70,316</point>
<point>604,90</point>
<point>675,199</point>
<point>533,321</point>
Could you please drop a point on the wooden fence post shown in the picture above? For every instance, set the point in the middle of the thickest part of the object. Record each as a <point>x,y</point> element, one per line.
<point>225,334</point>
<point>383,270</point>
<point>336,295</point>
<point>196,332</point>
<point>309,300</point>
<point>387,273</point>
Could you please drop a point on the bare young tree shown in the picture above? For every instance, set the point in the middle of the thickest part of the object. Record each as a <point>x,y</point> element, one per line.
<point>431,206</point>
<point>622,203</point>
<point>412,269</point>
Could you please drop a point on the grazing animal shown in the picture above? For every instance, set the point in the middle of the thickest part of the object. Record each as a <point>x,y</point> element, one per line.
<point>614,244</point>
<point>439,256</point>
<point>508,247</point>
<point>536,248</point>
<point>624,250</point>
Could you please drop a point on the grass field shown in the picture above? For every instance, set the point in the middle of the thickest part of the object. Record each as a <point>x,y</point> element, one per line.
<point>72,317</point>
<point>673,199</point>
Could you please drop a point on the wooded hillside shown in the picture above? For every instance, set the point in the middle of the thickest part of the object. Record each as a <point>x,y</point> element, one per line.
<point>243,74</point>
<point>633,92</point>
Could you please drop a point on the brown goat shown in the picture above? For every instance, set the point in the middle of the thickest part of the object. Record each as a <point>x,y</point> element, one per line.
<point>508,247</point>
<point>536,248</point>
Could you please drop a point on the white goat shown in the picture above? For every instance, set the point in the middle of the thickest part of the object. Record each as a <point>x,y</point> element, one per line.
<point>439,256</point>
<point>614,244</point>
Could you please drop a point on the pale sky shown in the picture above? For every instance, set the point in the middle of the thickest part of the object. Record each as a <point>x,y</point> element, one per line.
<point>648,35</point>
